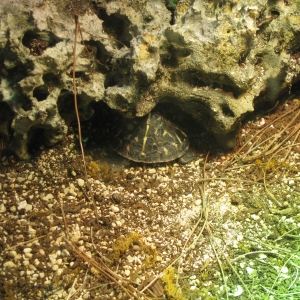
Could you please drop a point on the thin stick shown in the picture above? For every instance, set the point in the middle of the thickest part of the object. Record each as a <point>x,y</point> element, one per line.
<point>238,276</point>
<point>268,191</point>
<point>228,179</point>
<point>78,120</point>
<point>255,145</point>
<point>64,217</point>
<point>290,147</point>
<point>25,242</point>
<point>254,252</point>
<point>102,258</point>
<point>278,145</point>
<point>218,260</point>
<point>72,289</point>
<point>266,150</point>
<point>117,279</point>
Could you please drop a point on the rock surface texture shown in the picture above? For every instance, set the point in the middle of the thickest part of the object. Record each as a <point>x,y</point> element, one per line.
<point>214,59</point>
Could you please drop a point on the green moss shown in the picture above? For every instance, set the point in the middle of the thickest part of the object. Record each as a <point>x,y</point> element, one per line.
<point>183,290</point>
<point>104,171</point>
<point>171,288</point>
<point>243,248</point>
<point>171,4</point>
<point>124,243</point>
<point>93,169</point>
<point>275,165</point>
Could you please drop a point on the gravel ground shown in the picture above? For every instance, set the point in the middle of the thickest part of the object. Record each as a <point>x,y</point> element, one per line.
<point>226,228</point>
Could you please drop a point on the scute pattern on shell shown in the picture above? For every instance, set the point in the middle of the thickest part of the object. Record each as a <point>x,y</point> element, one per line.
<point>150,139</point>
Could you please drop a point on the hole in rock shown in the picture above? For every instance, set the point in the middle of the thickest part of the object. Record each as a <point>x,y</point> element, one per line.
<point>98,55</point>
<point>117,26</point>
<point>26,103</point>
<point>226,110</point>
<point>36,140</point>
<point>78,74</point>
<point>65,105</point>
<point>41,92</point>
<point>274,14</point>
<point>171,56</point>
<point>119,75</point>
<point>6,117</point>
<point>38,41</point>
<point>51,79</point>
<point>220,82</point>
<point>171,6</point>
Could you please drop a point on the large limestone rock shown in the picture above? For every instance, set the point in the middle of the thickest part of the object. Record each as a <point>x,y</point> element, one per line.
<point>214,59</point>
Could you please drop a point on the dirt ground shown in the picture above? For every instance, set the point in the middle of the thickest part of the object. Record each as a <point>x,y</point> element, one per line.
<point>224,226</point>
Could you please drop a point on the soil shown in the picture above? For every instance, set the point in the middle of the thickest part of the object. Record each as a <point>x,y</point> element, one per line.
<point>223,226</point>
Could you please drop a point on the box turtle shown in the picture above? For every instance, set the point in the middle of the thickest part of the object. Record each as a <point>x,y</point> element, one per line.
<point>150,139</point>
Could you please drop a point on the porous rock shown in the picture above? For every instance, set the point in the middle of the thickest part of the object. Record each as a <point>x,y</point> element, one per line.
<point>214,59</point>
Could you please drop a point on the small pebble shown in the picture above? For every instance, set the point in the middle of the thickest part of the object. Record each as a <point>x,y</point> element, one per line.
<point>198,202</point>
<point>12,253</point>
<point>9,265</point>
<point>80,182</point>
<point>48,197</point>
<point>21,179</point>
<point>130,258</point>
<point>2,208</point>
<point>27,250</point>
<point>55,267</point>
<point>115,208</point>
<point>22,205</point>
<point>106,194</point>
<point>152,171</point>
<point>136,248</point>
<point>28,255</point>
<point>159,258</point>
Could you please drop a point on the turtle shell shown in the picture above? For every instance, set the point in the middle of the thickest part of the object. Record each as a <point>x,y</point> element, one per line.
<point>150,139</point>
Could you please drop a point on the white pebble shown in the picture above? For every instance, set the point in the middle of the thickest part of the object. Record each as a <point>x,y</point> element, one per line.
<point>237,291</point>
<point>21,179</point>
<point>106,194</point>
<point>80,182</point>
<point>12,253</point>
<point>115,208</point>
<point>9,265</point>
<point>130,258</point>
<point>48,197</point>
<point>250,270</point>
<point>198,202</point>
<point>34,276</point>
<point>2,208</point>
<point>55,267</point>
<point>22,205</point>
